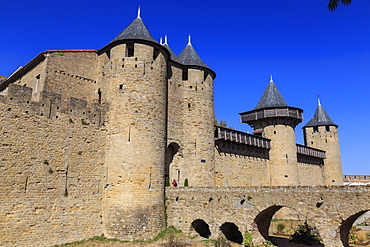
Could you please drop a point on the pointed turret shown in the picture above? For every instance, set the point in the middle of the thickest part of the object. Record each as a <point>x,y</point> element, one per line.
<point>274,119</point>
<point>189,56</point>
<point>321,118</point>
<point>272,109</point>
<point>322,133</point>
<point>271,97</point>
<point>136,30</point>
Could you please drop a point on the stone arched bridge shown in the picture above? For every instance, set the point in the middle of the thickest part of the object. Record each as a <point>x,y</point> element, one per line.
<point>206,210</point>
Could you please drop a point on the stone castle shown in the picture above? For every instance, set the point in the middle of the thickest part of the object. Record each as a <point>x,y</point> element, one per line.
<point>89,138</point>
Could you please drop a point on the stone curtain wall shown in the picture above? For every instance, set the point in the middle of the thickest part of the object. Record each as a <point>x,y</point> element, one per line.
<point>329,208</point>
<point>235,168</point>
<point>51,178</point>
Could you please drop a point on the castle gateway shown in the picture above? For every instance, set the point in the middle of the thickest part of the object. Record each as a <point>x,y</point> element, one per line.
<point>90,137</point>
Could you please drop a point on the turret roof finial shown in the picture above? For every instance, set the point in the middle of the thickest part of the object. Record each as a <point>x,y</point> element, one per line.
<point>271,78</point>
<point>318,100</point>
<point>160,41</point>
<point>138,13</point>
<point>189,40</point>
<point>165,40</point>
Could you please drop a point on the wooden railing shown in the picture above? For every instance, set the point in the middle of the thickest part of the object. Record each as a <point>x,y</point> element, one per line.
<point>313,152</point>
<point>231,135</point>
<point>289,112</point>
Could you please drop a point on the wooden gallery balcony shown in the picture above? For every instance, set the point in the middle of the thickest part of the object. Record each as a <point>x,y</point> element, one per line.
<point>231,135</point>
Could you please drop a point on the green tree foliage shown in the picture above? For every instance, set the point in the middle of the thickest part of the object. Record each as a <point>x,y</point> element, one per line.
<point>333,4</point>
<point>247,241</point>
<point>167,181</point>
<point>280,228</point>
<point>304,235</point>
<point>222,123</point>
<point>186,183</point>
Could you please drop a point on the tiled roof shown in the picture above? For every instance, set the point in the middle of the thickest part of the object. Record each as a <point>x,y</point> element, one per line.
<point>136,30</point>
<point>271,97</point>
<point>320,118</point>
<point>189,56</point>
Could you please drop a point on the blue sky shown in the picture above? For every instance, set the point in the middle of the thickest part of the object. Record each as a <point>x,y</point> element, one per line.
<point>308,50</point>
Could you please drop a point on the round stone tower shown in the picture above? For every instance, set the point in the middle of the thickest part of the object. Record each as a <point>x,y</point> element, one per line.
<point>133,82</point>
<point>322,133</point>
<point>198,118</point>
<point>274,119</point>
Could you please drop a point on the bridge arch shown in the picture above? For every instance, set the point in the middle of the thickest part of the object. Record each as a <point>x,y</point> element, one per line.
<point>201,227</point>
<point>346,226</point>
<point>231,232</point>
<point>264,218</point>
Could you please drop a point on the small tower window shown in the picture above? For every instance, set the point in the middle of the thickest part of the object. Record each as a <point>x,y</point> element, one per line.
<point>327,128</point>
<point>129,50</point>
<point>185,74</point>
<point>315,129</point>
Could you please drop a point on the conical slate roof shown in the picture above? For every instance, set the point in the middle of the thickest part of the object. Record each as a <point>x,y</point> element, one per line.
<point>173,55</point>
<point>321,118</point>
<point>189,56</point>
<point>136,30</point>
<point>271,97</point>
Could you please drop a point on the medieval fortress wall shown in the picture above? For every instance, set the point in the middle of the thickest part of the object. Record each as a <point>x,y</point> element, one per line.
<point>51,176</point>
<point>89,138</point>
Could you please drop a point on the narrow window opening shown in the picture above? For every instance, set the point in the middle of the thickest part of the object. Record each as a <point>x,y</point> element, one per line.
<point>189,105</point>
<point>130,50</point>
<point>315,129</point>
<point>99,96</point>
<point>120,86</point>
<point>185,74</point>
<point>327,128</point>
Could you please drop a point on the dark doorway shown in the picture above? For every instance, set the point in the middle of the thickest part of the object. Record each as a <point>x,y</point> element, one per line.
<point>171,151</point>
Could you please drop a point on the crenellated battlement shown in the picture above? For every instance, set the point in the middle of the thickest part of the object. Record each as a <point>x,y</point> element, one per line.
<point>51,105</point>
